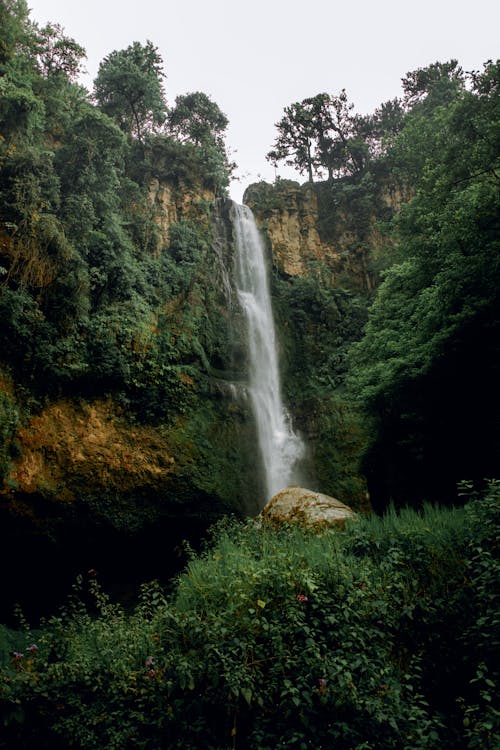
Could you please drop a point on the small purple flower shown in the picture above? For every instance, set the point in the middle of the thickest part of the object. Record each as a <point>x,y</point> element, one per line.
<point>149,662</point>
<point>322,685</point>
<point>32,649</point>
<point>151,673</point>
<point>302,598</point>
<point>17,660</point>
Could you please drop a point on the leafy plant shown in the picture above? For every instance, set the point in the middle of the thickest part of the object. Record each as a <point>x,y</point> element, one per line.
<point>378,636</point>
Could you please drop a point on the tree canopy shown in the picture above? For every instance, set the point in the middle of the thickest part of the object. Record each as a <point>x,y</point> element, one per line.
<point>427,367</point>
<point>129,88</point>
<point>320,134</point>
<point>197,119</point>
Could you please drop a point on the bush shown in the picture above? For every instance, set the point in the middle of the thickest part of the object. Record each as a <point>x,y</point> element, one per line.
<point>382,636</point>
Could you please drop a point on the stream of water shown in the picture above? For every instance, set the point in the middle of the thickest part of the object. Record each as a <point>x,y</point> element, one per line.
<point>280,447</point>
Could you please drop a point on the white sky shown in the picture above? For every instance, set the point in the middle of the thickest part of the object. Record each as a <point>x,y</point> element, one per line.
<point>257,57</point>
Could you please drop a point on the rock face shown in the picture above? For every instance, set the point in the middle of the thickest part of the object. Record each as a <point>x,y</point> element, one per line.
<point>301,505</point>
<point>292,217</point>
<point>172,203</point>
<point>69,445</point>
<point>292,230</point>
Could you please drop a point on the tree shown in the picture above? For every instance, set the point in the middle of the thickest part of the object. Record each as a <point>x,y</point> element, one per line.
<point>129,88</point>
<point>341,149</point>
<point>13,28</point>
<point>295,142</point>
<point>197,119</point>
<point>433,85</point>
<point>379,129</point>
<point>58,54</point>
<point>427,368</point>
<point>320,133</point>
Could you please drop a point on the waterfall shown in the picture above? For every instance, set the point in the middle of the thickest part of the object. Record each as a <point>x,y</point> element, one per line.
<point>279,446</point>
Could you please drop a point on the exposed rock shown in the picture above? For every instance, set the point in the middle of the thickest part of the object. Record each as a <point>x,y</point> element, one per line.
<point>292,230</point>
<point>175,203</point>
<point>73,445</point>
<point>289,215</point>
<point>301,505</point>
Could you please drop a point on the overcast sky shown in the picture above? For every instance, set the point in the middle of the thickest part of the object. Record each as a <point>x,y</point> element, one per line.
<point>256,58</point>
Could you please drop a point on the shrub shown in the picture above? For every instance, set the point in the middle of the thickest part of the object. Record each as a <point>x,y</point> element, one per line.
<point>381,636</point>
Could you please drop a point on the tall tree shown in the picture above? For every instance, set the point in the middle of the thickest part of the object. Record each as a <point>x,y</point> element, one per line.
<point>197,119</point>
<point>129,88</point>
<point>13,28</point>
<point>340,147</point>
<point>427,368</point>
<point>433,85</point>
<point>379,129</point>
<point>295,141</point>
<point>320,134</point>
<point>58,54</point>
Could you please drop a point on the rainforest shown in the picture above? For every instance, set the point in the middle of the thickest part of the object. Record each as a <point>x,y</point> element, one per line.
<point>146,600</point>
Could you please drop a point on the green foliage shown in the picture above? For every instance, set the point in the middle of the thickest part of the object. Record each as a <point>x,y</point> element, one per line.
<point>351,207</point>
<point>129,89</point>
<point>266,198</point>
<point>91,304</point>
<point>427,365</point>
<point>175,162</point>
<point>317,324</point>
<point>435,85</point>
<point>317,134</point>
<point>198,119</point>
<point>9,420</point>
<point>376,637</point>
<point>13,29</point>
<point>21,112</point>
<point>58,55</point>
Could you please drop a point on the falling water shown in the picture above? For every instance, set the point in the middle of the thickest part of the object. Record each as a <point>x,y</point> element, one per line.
<point>280,447</point>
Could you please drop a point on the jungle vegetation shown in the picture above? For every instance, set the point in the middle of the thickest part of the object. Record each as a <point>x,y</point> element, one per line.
<point>381,635</point>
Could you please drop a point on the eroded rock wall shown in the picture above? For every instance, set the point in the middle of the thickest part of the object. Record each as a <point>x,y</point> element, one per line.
<point>298,219</point>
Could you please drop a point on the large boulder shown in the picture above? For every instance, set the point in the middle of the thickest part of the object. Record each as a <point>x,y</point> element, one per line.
<point>300,505</point>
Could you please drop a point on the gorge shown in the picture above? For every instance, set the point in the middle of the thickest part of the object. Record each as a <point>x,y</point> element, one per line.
<point>169,360</point>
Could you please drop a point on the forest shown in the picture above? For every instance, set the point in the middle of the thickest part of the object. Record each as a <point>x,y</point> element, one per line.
<point>145,603</point>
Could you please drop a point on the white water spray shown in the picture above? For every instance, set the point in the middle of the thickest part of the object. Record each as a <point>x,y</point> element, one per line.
<point>280,447</point>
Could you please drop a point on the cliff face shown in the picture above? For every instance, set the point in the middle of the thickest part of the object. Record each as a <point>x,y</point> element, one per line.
<point>172,203</point>
<point>72,447</point>
<point>310,225</point>
<point>326,243</point>
<point>292,230</point>
<point>164,443</point>
<point>77,446</point>
<point>158,434</point>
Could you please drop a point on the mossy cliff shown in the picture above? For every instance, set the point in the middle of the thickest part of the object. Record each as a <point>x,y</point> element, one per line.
<point>122,360</point>
<point>153,437</point>
<point>326,245</point>
<point>339,227</point>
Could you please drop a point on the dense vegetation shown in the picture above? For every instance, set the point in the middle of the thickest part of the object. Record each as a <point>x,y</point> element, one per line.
<point>384,635</point>
<point>427,367</point>
<point>114,250</point>
<point>422,173</point>
<point>102,301</point>
<point>84,279</point>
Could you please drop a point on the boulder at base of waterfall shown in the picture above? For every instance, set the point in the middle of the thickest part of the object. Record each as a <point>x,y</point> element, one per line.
<point>299,505</point>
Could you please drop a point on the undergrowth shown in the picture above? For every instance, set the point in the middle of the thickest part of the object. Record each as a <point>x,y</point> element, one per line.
<point>382,635</point>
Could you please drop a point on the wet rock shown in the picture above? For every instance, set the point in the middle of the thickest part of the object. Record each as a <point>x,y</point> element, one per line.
<point>300,505</point>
